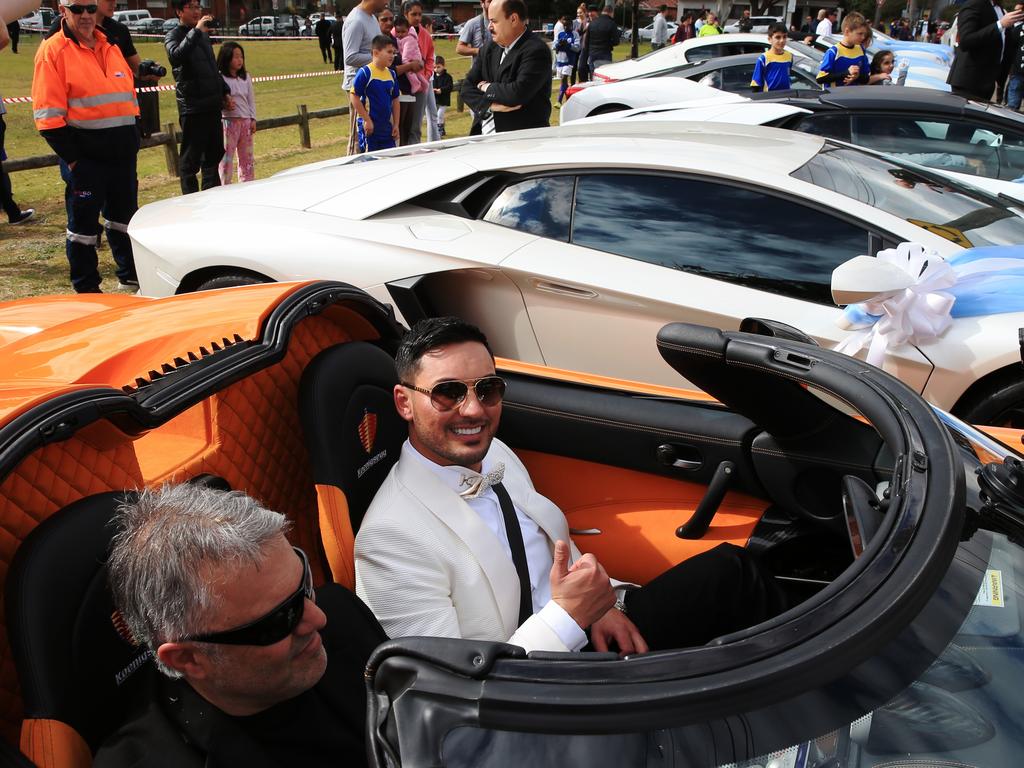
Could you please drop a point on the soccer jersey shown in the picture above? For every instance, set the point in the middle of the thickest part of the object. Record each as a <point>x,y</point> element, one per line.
<point>838,59</point>
<point>771,72</point>
<point>376,88</point>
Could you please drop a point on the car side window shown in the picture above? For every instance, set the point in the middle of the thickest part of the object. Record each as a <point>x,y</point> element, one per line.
<point>716,230</point>
<point>541,206</point>
<point>949,144</point>
<point>703,53</point>
<point>737,79</point>
<point>831,125</point>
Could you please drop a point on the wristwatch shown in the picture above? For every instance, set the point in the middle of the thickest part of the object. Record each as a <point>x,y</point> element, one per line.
<point>620,600</point>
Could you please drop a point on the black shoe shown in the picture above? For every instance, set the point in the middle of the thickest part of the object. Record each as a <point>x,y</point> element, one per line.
<point>23,216</point>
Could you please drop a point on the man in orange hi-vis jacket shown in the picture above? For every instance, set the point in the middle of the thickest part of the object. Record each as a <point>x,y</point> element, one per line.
<point>84,104</point>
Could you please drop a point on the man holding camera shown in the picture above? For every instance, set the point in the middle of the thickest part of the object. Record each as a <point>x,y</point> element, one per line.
<point>201,92</point>
<point>83,98</point>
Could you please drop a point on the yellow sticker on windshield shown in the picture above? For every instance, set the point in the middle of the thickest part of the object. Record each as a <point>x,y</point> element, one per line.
<point>952,234</point>
<point>991,592</point>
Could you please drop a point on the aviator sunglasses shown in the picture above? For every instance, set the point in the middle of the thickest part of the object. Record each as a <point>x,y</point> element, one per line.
<point>78,10</point>
<point>274,626</point>
<point>448,395</point>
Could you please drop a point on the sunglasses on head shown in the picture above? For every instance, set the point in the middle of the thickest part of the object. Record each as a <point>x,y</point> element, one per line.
<point>78,10</point>
<point>447,395</point>
<point>274,626</point>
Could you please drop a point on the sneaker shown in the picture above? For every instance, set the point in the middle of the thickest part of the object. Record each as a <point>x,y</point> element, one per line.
<point>24,216</point>
<point>128,285</point>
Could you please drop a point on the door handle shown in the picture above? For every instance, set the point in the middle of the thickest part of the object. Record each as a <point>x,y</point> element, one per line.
<point>564,290</point>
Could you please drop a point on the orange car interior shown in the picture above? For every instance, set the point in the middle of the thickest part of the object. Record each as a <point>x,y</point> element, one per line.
<point>312,436</point>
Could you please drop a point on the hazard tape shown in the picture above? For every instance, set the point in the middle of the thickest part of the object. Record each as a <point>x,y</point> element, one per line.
<point>158,88</point>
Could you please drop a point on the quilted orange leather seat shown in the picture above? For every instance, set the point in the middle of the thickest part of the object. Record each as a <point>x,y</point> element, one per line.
<point>354,435</point>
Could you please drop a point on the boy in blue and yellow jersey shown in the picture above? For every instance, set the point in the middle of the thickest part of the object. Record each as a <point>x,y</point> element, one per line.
<point>771,72</point>
<point>374,98</point>
<point>846,63</point>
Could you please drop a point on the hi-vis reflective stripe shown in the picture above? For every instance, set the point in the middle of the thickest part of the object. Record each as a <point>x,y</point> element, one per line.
<point>117,226</point>
<point>74,237</point>
<point>103,98</point>
<point>39,114</point>
<point>102,122</point>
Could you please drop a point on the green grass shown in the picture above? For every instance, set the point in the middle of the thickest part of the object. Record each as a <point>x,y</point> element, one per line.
<point>32,260</point>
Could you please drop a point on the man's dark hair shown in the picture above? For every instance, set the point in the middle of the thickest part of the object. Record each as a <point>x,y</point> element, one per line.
<point>380,42</point>
<point>517,7</point>
<point>662,8</point>
<point>429,334</point>
<point>179,5</point>
<point>777,27</point>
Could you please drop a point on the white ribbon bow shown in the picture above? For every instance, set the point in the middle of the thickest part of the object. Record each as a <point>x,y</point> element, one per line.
<point>911,316</point>
<point>478,484</point>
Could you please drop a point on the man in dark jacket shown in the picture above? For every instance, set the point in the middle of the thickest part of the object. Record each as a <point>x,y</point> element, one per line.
<point>322,30</point>
<point>982,28</point>
<point>509,85</point>
<point>337,43</point>
<point>604,35</point>
<point>201,92</point>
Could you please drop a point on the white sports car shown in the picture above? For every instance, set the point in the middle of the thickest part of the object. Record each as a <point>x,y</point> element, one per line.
<point>566,245</point>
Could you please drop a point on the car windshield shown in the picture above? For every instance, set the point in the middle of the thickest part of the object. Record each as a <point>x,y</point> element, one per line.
<point>961,214</point>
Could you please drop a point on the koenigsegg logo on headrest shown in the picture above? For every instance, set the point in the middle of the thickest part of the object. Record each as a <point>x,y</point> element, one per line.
<point>121,627</point>
<point>368,430</point>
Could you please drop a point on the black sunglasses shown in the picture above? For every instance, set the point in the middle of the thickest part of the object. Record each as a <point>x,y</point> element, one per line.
<point>448,395</point>
<point>78,10</point>
<point>274,626</point>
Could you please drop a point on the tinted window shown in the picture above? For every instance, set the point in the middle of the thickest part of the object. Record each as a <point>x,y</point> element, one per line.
<point>961,214</point>
<point>703,53</point>
<point>956,145</point>
<point>727,233</point>
<point>833,126</point>
<point>540,206</point>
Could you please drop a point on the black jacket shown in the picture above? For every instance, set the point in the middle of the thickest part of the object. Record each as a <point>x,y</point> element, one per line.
<point>323,31</point>
<point>524,79</point>
<point>336,40</point>
<point>604,35</point>
<point>1013,59</point>
<point>200,87</point>
<point>979,56</point>
<point>179,729</point>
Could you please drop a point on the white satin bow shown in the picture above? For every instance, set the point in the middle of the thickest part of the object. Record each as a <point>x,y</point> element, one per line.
<point>910,316</point>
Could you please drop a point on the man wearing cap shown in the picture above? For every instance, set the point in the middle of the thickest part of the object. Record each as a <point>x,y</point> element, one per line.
<point>84,104</point>
<point>604,35</point>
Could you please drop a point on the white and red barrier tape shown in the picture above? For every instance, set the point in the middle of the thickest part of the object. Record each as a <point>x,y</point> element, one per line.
<point>170,87</point>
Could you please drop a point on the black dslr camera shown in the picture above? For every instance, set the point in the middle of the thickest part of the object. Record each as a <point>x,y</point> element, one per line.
<point>148,67</point>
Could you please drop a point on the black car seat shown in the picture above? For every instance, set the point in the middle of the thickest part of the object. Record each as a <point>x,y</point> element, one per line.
<point>354,436</point>
<point>79,678</point>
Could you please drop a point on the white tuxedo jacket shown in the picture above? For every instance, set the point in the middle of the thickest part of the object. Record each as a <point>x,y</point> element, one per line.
<point>426,564</point>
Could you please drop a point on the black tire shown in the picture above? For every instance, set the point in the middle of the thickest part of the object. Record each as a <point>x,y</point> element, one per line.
<point>230,280</point>
<point>998,402</point>
<point>604,109</point>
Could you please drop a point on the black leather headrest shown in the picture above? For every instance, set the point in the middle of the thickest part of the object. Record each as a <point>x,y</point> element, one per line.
<point>72,664</point>
<point>353,432</point>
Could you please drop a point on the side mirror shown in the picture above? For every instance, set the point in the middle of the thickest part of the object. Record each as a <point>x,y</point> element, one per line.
<point>764,327</point>
<point>866,277</point>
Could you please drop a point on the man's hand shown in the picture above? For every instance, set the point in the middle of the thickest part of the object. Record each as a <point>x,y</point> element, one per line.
<point>505,108</point>
<point>483,85</point>
<point>205,23</point>
<point>1011,18</point>
<point>368,126</point>
<point>615,627</point>
<point>583,590</point>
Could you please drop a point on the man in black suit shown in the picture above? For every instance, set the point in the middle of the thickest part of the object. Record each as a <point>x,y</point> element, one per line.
<point>982,27</point>
<point>509,85</point>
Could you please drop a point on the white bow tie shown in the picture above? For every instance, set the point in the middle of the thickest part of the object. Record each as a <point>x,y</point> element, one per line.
<point>476,484</point>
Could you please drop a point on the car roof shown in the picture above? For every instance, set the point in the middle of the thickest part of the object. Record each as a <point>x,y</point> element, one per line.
<point>892,99</point>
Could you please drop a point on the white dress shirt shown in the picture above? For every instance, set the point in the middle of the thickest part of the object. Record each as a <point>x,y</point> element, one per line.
<point>824,27</point>
<point>538,555</point>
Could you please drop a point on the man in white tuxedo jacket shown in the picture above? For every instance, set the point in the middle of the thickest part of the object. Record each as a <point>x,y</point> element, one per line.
<point>457,543</point>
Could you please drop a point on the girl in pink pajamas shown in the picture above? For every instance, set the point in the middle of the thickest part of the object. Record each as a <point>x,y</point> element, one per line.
<point>240,121</point>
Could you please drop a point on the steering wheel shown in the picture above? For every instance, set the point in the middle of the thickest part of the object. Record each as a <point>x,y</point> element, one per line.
<point>862,512</point>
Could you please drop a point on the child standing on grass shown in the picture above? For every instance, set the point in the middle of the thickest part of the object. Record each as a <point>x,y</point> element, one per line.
<point>374,97</point>
<point>771,72</point>
<point>240,120</point>
<point>845,63</point>
<point>443,85</point>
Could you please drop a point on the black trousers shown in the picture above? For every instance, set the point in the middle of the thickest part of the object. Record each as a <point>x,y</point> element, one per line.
<point>202,149</point>
<point>976,95</point>
<point>326,50</point>
<point>715,593</point>
<point>93,188</point>
<point>10,207</point>
<point>339,57</point>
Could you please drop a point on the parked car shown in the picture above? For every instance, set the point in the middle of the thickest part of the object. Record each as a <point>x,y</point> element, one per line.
<point>647,33</point>
<point>729,74</point>
<point>921,62</point>
<point>38,20</point>
<point>480,227</point>
<point>443,23</point>
<point>760,24</point>
<point>149,26</point>
<point>944,52</point>
<point>168,25</point>
<point>895,530</point>
<point>271,26</point>
<point>129,17</point>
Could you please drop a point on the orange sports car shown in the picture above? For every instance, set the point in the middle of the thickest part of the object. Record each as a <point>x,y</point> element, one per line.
<point>899,527</point>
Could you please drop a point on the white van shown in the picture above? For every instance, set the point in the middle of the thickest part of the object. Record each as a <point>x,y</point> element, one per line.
<point>37,21</point>
<point>128,17</point>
